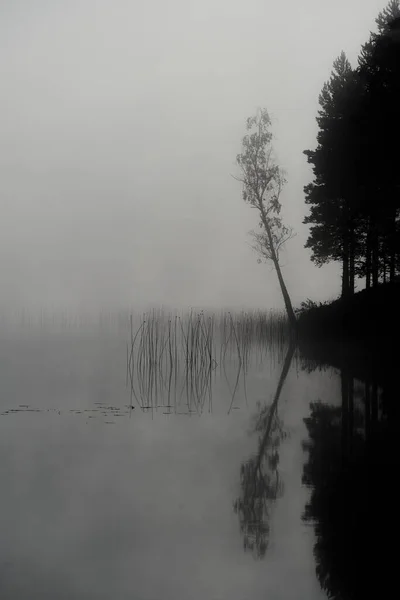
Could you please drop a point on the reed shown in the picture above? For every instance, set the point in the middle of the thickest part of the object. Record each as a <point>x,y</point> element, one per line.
<point>172,357</point>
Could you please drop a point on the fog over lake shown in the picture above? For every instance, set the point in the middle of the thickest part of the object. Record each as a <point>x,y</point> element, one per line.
<point>120,125</point>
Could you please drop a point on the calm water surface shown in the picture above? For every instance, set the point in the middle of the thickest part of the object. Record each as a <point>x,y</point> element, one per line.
<point>220,496</point>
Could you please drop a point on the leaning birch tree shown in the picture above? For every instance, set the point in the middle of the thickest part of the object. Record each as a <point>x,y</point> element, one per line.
<point>262,181</point>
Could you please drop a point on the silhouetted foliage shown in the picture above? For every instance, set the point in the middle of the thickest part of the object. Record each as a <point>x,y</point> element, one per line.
<point>355,196</point>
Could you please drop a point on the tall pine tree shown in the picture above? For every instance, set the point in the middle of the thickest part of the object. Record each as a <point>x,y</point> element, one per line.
<point>332,195</point>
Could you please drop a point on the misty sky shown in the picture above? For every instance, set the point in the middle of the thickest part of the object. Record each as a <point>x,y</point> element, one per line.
<point>120,121</point>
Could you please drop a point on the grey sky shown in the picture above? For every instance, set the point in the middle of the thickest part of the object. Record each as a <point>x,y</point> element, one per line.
<point>120,124</point>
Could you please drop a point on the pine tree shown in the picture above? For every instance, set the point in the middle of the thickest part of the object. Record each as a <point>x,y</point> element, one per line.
<point>333,194</point>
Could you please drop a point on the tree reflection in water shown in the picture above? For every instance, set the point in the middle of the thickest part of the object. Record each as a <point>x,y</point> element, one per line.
<point>259,476</point>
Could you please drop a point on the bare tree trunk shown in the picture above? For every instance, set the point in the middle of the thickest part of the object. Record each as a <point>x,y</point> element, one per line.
<point>347,243</point>
<point>345,272</point>
<point>351,262</point>
<point>367,392</point>
<point>286,297</point>
<point>344,380</point>
<point>351,409</point>
<point>368,257</point>
<point>392,266</point>
<point>375,257</point>
<point>392,259</point>
<point>285,293</point>
<point>374,402</point>
<point>351,248</point>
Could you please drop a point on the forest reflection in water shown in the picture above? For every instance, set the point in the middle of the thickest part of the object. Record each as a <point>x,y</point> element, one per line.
<point>352,464</point>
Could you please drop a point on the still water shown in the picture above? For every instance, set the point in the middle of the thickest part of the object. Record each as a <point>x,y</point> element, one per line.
<point>235,487</point>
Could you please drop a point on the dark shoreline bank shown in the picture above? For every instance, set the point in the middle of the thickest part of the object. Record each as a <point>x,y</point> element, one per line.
<point>360,333</point>
<point>366,316</point>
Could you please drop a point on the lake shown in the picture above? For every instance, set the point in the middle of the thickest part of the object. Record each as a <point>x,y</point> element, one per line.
<point>193,468</point>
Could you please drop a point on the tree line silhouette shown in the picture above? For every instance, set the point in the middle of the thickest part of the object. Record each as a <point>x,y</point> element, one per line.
<point>354,197</point>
